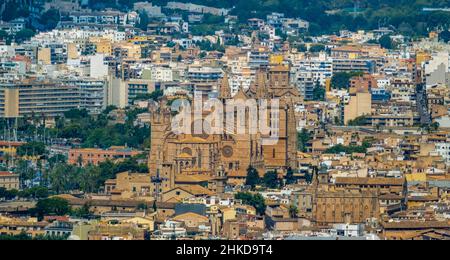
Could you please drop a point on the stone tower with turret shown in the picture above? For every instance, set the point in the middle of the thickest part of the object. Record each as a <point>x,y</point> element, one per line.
<point>160,127</point>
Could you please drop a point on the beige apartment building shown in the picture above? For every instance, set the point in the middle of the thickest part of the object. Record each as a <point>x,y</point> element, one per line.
<point>360,104</point>
<point>9,181</point>
<point>39,98</point>
<point>51,99</point>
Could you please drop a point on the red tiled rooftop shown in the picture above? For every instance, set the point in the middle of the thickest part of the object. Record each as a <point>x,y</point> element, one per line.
<point>6,173</point>
<point>10,143</point>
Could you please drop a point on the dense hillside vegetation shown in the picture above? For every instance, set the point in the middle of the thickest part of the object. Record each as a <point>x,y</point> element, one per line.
<point>331,15</point>
<point>325,15</point>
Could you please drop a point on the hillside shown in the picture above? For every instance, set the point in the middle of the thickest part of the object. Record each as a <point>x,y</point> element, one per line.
<point>325,15</point>
<point>332,15</point>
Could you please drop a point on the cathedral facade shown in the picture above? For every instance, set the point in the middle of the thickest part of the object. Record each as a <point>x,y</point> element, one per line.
<point>217,160</point>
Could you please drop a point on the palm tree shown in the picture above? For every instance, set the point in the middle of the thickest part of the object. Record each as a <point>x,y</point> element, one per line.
<point>25,172</point>
<point>88,178</point>
<point>293,211</point>
<point>60,177</point>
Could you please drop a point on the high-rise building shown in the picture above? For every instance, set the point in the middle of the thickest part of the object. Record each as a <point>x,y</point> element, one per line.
<point>51,98</point>
<point>309,72</point>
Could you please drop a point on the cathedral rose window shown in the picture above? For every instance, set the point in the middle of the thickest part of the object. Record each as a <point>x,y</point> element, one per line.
<point>227,151</point>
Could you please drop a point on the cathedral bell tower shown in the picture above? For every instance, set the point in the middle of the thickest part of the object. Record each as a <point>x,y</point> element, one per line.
<point>224,88</point>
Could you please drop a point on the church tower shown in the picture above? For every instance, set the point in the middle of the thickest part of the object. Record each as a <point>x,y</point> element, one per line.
<point>159,127</point>
<point>224,88</point>
<point>261,85</point>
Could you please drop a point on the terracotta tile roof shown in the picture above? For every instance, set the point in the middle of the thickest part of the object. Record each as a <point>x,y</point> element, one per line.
<point>237,174</point>
<point>10,143</point>
<point>192,178</point>
<point>183,217</point>
<point>4,174</point>
<point>370,181</point>
<point>416,224</point>
<point>196,190</point>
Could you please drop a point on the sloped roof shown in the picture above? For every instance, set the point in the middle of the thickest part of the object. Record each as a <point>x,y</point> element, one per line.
<point>192,178</point>
<point>186,215</point>
<point>370,181</point>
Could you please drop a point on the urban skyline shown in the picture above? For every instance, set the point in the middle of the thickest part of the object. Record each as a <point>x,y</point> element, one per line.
<point>205,120</point>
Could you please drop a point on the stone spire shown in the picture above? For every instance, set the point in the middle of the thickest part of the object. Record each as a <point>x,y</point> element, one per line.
<point>261,85</point>
<point>225,91</point>
<point>240,94</point>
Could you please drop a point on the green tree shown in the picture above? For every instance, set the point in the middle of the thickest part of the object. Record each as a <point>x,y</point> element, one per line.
<point>318,92</point>
<point>32,149</point>
<point>317,48</point>
<point>303,138</point>
<point>435,126</point>
<point>57,158</point>
<point>24,35</point>
<point>359,121</point>
<point>14,10</point>
<point>257,201</point>
<point>155,207</point>
<point>302,48</point>
<point>271,180</point>
<point>7,194</point>
<point>144,20</point>
<point>293,211</point>
<point>76,114</point>
<point>89,178</point>
<point>50,19</point>
<point>3,35</point>
<point>309,177</point>
<point>52,207</point>
<point>341,80</point>
<point>142,206</point>
<point>109,109</point>
<point>386,42</point>
<point>155,95</point>
<point>290,178</point>
<point>349,149</point>
<point>35,192</point>
<point>83,212</point>
<point>25,171</point>
<point>39,192</point>
<point>61,177</point>
<point>252,177</point>
<point>443,36</point>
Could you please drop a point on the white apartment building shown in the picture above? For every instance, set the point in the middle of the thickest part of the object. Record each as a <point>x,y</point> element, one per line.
<point>383,83</point>
<point>107,17</point>
<point>98,68</point>
<point>194,8</point>
<point>443,149</point>
<point>92,93</point>
<point>160,74</point>
<point>309,71</point>
<point>149,8</point>
<point>316,69</point>
<point>240,74</point>
<point>243,78</point>
<point>437,70</point>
